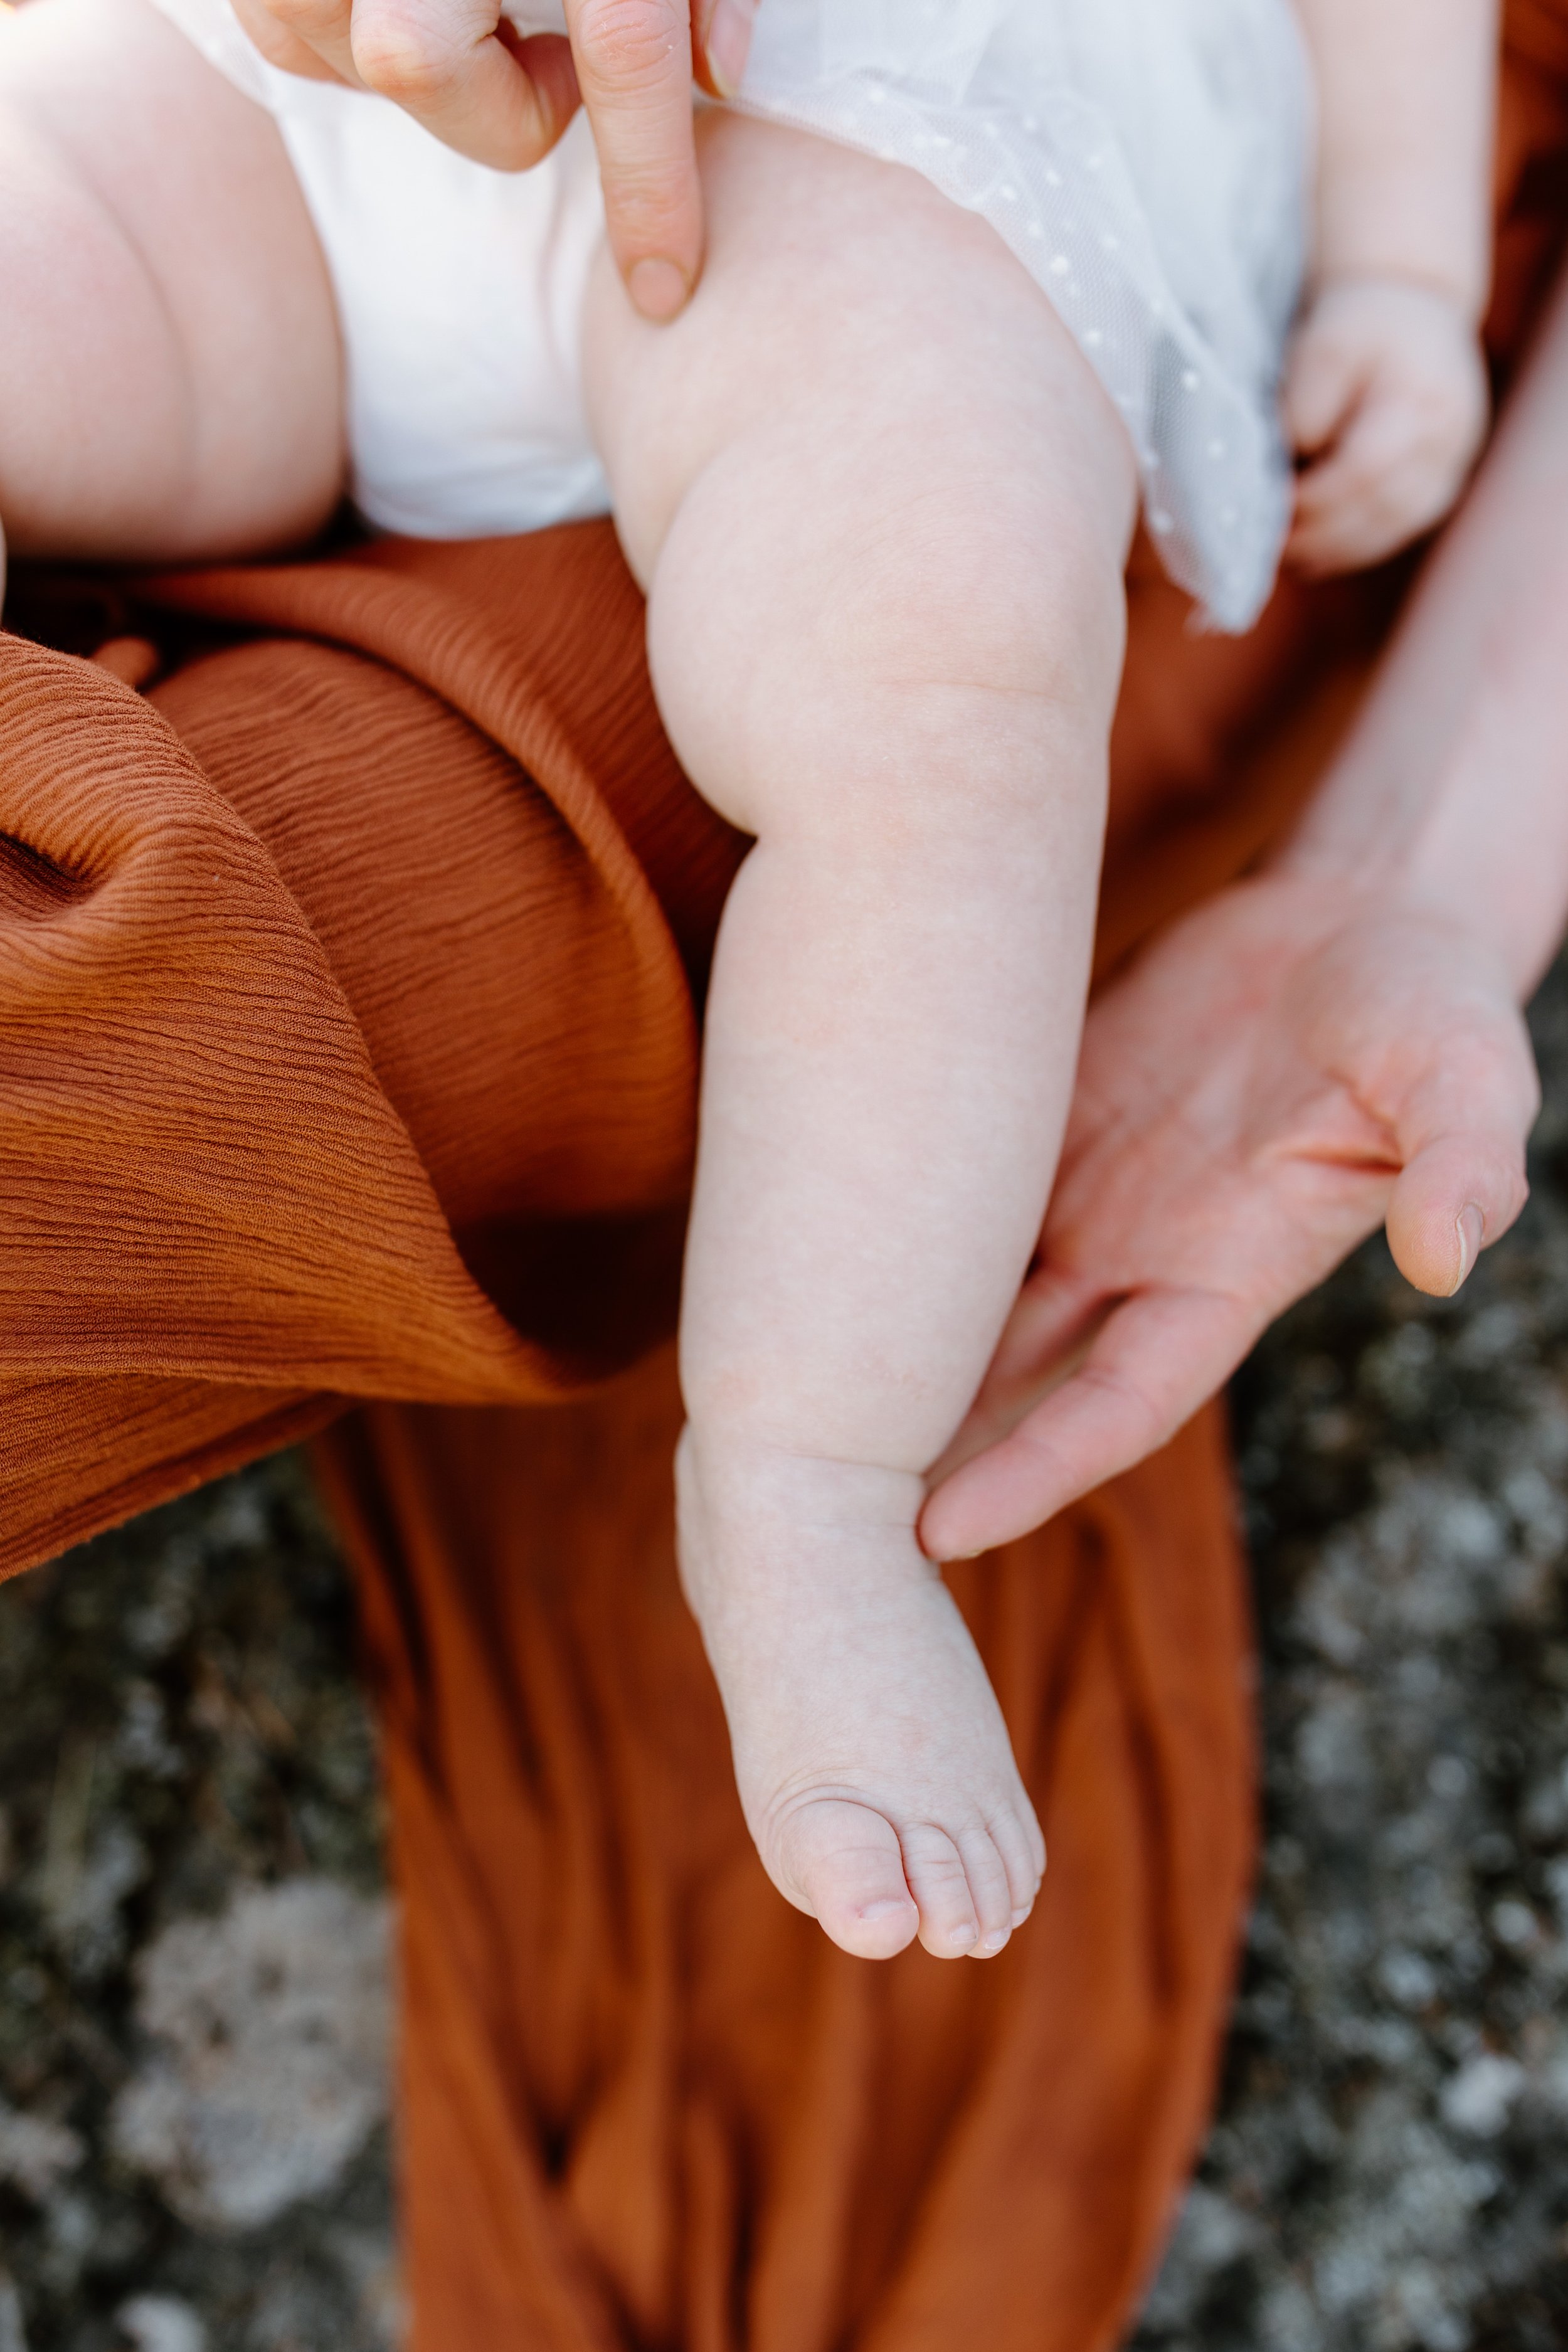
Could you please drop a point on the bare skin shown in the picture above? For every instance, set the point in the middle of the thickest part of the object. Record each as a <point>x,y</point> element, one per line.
<point>886,639</point>
<point>457,68</point>
<point>180,269</point>
<point>880,506</point>
<point>1333,1044</point>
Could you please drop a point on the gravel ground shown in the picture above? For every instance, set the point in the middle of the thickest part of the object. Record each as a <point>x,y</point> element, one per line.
<point>193,1989</point>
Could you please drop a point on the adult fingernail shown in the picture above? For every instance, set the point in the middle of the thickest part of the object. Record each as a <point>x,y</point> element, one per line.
<point>728,44</point>
<point>1471,1227</point>
<point>658,287</point>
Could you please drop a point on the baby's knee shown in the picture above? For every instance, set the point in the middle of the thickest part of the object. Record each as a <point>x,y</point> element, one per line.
<point>950,664</point>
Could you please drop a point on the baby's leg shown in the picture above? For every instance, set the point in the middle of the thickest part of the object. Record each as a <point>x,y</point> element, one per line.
<point>169,367</point>
<point>881,506</point>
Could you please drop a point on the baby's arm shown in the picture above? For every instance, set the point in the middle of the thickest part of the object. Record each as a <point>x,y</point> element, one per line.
<point>1386,395</point>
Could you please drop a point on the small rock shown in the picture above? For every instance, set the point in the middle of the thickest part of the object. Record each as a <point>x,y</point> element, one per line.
<point>13,2334</point>
<point>1514,1924</point>
<point>273,2024</point>
<point>1407,1979</point>
<point>1210,2235</point>
<point>160,2322</point>
<point>1480,2097</point>
<point>35,2154</point>
<point>1289,2320</point>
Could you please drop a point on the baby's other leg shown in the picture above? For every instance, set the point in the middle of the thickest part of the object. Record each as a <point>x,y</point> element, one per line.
<point>881,506</point>
<point>170,379</point>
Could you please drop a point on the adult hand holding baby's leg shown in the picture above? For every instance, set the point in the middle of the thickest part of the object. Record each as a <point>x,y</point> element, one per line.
<point>1331,1044</point>
<point>460,69</point>
<point>1267,1083</point>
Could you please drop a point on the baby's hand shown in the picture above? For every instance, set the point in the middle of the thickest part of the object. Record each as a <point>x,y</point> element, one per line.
<point>1387,400</point>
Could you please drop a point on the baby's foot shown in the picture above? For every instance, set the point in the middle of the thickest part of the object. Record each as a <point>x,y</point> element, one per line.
<point>874,1767</point>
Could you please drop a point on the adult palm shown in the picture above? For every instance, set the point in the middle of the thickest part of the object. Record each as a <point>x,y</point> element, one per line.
<point>1275,1075</point>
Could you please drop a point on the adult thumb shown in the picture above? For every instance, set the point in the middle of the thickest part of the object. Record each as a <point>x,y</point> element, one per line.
<point>1463,1182</point>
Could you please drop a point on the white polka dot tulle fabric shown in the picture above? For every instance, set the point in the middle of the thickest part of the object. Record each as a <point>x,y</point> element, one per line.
<point>1147,160</point>
<point>1148,163</point>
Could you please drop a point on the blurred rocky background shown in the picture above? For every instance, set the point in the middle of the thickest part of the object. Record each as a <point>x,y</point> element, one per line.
<point>193,1935</point>
<point>1389,2166</point>
<point>194,1992</point>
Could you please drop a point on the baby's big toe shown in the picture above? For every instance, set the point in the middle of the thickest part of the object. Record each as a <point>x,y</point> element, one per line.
<point>842,1862</point>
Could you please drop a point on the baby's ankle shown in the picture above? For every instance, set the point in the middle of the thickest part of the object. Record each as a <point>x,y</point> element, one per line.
<point>738,1470</point>
<point>748,1504</point>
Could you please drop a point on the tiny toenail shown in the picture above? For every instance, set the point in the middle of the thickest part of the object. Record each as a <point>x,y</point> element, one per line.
<point>961,1938</point>
<point>883,1910</point>
<point>989,1949</point>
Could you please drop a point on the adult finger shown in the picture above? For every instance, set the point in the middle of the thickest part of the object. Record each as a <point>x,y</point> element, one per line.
<point>1054,1322</point>
<point>275,31</point>
<point>634,66</point>
<point>1158,1358</point>
<point>721,42</point>
<point>1464,1138</point>
<point>457,67</point>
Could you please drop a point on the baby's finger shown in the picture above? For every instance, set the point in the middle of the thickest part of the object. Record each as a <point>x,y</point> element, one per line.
<point>1384,482</point>
<point>634,63</point>
<point>1326,377</point>
<point>1160,1357</point>
<point>459,68</point>
<point>1367,520</point>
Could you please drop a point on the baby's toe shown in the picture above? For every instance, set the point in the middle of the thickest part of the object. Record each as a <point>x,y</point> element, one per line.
<point>939,1881</point>
<point>1023,1852</point>
<point>990,1891</point>
<point>842,1862</point>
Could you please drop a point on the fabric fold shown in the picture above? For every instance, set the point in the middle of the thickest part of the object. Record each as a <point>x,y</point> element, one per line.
<point>688,2119</point>
<point>347,1049</point>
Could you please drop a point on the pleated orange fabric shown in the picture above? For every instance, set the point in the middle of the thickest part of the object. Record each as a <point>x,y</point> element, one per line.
<point>350,985</point>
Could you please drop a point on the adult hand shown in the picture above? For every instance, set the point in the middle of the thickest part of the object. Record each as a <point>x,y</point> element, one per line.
<point>504,97</point>
<point>1268,1083</point>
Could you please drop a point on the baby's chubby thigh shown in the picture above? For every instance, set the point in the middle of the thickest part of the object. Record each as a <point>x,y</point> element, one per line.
<point>870,461</point>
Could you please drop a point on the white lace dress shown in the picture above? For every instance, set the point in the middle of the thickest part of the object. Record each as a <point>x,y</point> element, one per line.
<point>1148,161</point>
